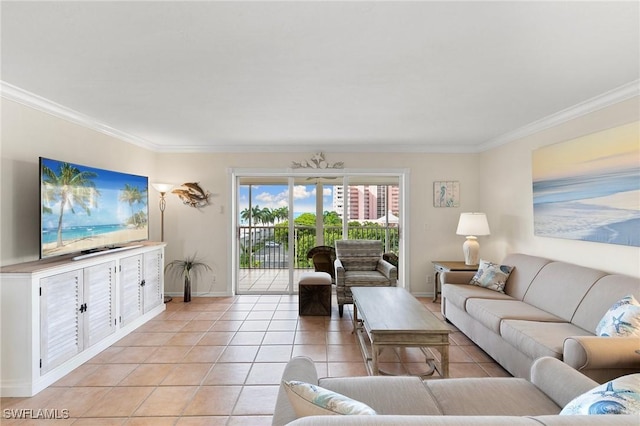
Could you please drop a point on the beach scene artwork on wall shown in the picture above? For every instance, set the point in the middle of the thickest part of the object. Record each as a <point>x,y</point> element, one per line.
<point>84,208</point>
<point>589,188</point>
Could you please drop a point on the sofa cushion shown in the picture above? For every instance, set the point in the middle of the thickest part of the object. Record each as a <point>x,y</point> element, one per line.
<point>618,396</point>
<point>312,400</point>
<point>491,275</point>
<point>518,397</point>
<point>386,395</point>
<point>572,281</point>
<point>526,269</point>
<point>458,294</point>
<point>537,339</point>
<point>357,278</point>
<point>491,312</point>
<point>604,293</point>
<point>622,319</point>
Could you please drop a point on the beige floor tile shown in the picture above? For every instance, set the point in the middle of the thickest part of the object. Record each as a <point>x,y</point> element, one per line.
<point>258,400</point>
<point>465,369</point>
<point>147,375</point>
<point>100,422</point>
<point>80,373</point>
<point>278,338</point>
<point>343,353</point>
<point>228,374</point>
<point>184,315</point>
<point>476,354</point>
<point>166,401</point>
<point>209,316</point>
<point>185,339</point>
<point>203,421</point>
<point>346,369</point>
<point>162,326</point>
<point>282,325</point>
<point>248,338</point>
<point>144,339</point>
<point>239,354</point>
<point>234,316</point>
<point>187,374</point>
<point>107,375</point>
<point>198,325</point>
<point>208,354</point>
<point>105,355</point>
<point>316,337</point>
<point>260,315</point>
<point>168,354</point>
<point>255,326</point>
<point>274,353</point>
<point>494,370</point>
<point>119,402</point>
<point>216,338</point>
<point>132,355</point>
<point>151,421</point>
<point>341,338</point>
<point>315,352</point>
<point>213,401</point>
<point>282,315</point>
<point>266,373</point>
<point>79,399</point>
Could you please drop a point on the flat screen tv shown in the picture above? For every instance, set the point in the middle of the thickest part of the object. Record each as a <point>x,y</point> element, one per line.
<point>85,209</point>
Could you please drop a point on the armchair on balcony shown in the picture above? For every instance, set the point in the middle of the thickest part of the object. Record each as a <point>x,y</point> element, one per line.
<point>323,258</point>
<point>359,263</point>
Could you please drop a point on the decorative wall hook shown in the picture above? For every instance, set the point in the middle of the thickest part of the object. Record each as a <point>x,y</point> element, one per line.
<point>193,195</point>
<point>317,161</point>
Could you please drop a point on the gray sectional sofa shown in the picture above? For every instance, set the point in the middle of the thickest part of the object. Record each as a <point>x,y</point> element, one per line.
<point>408,400</point>
<point>549,308</point>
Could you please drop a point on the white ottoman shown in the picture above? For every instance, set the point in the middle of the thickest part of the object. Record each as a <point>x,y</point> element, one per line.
<point>314,294</point>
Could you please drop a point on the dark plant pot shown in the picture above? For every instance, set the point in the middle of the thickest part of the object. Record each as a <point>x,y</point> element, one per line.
<point>187,289</point>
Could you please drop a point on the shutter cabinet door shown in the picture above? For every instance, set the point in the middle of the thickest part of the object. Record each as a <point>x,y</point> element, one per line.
<point>130,289</point>
<point>61,327</point>
<point>99,295</point>
<point>153,280</point>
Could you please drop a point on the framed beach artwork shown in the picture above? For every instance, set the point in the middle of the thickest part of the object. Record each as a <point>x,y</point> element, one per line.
<point>446,193</point>
<point>589,188</point>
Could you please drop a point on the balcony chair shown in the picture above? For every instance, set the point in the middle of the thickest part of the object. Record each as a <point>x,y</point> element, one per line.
<point>359,263</point>
<point>323,258</point>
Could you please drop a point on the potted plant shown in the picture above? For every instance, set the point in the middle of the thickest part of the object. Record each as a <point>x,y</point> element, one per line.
<point>185,267</point>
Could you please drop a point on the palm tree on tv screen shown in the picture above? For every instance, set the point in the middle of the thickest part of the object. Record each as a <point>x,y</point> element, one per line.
<point>72,187</point>
<point>132,195</point>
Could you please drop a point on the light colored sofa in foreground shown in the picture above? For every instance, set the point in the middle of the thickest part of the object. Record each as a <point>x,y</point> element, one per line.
<point>548,308</point>
<point>408,400</point>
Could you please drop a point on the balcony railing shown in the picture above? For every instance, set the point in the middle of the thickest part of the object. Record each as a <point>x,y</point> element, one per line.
<point>267,247</point>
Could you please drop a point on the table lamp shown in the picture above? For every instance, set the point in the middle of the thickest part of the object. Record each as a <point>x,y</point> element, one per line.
<point>472,225</point>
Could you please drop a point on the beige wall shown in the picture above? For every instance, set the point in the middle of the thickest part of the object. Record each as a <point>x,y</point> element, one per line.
<point>507,197</point>
<point>28,134</point>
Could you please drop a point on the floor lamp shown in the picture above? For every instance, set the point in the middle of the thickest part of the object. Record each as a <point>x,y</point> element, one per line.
<point>163,188</point>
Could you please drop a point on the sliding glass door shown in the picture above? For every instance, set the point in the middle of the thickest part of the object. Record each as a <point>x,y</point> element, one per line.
<point>278,218</point>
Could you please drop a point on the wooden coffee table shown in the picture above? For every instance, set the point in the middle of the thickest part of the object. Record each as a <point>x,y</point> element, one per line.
<point>392,317</point>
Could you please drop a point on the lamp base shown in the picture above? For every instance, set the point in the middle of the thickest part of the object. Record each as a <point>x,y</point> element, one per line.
<point>471,250</point>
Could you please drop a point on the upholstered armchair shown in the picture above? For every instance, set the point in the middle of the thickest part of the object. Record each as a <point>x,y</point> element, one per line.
<point>359,263</point>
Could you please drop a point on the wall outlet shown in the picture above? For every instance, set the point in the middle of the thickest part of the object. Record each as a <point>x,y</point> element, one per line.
<point>429,279</point>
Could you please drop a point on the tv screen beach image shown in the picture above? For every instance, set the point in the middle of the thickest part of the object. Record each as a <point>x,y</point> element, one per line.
<point>84,208</point>
<point>589,188</point>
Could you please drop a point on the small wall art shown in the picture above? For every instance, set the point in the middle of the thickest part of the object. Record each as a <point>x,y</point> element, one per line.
<point>446,193</point>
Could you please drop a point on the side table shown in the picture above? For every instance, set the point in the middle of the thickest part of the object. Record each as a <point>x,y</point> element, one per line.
<point>440,266</point>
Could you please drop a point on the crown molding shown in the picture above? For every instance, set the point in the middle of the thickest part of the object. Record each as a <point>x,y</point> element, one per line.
<point>619,94</point>
<point>596,103</point>
<point>37,102</point>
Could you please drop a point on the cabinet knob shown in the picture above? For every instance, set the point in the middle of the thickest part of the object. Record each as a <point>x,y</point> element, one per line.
<point>142,283</point>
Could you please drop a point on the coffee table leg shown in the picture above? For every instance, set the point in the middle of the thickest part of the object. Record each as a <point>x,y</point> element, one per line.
<point>374,359</point>
<point>444,360</point>
<point>355,318</point>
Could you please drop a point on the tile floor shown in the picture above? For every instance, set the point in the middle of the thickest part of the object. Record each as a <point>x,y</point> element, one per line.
<point>218,361</point>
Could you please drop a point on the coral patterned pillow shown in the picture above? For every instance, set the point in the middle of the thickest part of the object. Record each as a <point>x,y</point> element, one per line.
<point>492,276</point>
<point>622,319</point>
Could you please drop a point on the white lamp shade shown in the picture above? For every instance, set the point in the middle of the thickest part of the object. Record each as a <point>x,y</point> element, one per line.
<point>473,224</point>
<point>162,187</point>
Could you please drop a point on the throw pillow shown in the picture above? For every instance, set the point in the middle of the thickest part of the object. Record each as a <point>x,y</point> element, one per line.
<point>619,396</point>
<point>491,275</point>
<point>622,319</point>
<point>313,400</point>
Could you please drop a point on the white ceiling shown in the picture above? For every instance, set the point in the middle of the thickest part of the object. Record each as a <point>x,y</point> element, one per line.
<point>307,76</point>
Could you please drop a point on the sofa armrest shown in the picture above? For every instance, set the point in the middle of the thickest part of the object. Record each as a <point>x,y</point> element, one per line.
<point>339,272</point>
<point>595,352</point>
<point>456,277</point>
<point>298,368</point>
<point>559,381</point>
<point>387,269</point>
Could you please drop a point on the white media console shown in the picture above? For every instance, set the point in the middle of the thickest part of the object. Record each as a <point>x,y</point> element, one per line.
<point>58,313</point>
